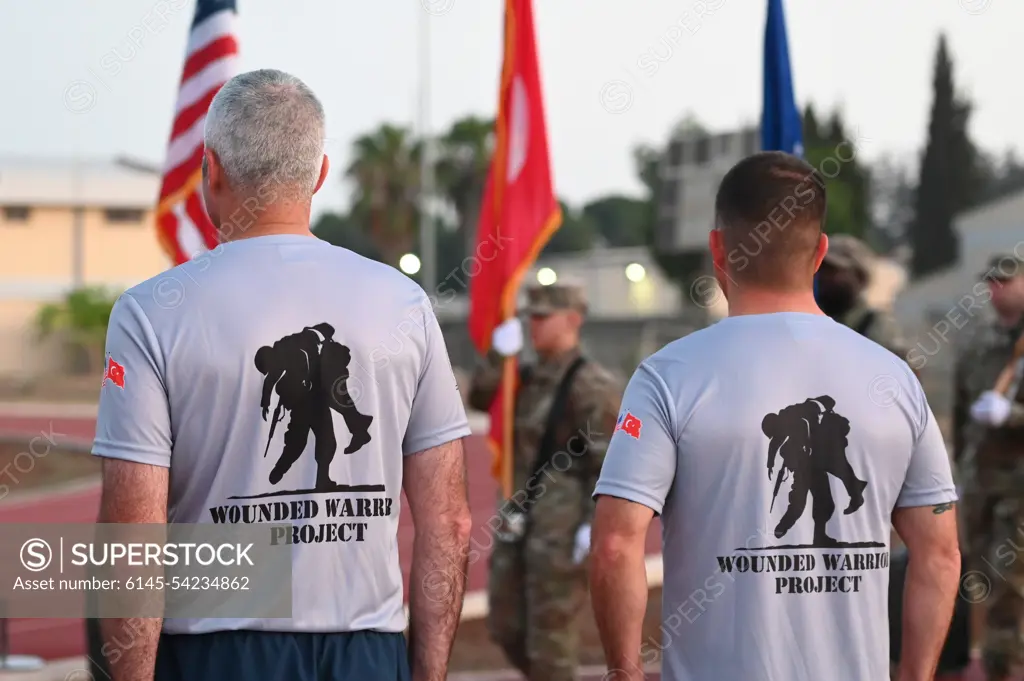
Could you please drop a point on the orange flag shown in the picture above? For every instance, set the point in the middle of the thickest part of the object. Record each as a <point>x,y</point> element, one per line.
<point>518,215</point>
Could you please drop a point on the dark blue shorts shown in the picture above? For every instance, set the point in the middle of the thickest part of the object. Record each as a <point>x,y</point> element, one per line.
<point>281,656</point>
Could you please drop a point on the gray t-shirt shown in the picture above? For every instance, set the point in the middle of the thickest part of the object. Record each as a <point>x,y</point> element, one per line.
<point>766,580</point>
<point>345,351</point>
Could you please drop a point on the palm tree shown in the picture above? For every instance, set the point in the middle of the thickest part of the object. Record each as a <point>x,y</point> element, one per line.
<point>464,160</point>
<point>385,171</point>
<point>80,321</point>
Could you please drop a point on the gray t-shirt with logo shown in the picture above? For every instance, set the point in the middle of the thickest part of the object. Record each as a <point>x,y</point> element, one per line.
<point>775,447</point>
<point>341,355</point>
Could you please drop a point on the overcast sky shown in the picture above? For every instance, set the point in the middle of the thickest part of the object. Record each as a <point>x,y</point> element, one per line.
<point>871,57</point>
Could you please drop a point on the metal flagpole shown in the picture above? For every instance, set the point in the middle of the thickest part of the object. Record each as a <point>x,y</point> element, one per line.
<point>428,230</point>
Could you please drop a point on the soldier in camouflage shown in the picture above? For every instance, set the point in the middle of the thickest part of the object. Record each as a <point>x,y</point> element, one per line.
<point>988,446</point>
<point>842,279</point>
<point>537,584</point>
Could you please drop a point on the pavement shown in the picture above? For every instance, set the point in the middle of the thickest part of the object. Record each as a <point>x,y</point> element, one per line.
<point>73,426</point>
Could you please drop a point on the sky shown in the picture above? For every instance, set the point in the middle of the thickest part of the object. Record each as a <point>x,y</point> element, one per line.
<point>614,73</point>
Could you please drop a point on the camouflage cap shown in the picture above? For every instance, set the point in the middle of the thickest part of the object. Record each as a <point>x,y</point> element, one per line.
<point>1003,267</point>
<point>558,296</point>
<point>849,253</point>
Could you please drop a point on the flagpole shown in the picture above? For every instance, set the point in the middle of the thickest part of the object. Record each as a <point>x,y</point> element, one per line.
<point>428,231</point>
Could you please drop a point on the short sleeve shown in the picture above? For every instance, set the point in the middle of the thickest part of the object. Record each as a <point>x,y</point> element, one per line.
<point>929,478</point>
<point>134,421</point>
<point>438,414</point>
<point>640,465</point>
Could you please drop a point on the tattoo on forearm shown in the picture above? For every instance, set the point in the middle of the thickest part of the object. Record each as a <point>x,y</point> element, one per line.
<point>942,508</point>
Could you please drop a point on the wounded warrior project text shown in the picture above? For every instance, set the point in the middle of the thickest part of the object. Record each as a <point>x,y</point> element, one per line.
<point>841,566</point>
<point>308,509</point>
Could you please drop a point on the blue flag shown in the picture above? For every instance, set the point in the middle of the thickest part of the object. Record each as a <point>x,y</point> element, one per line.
<point>781,127</point>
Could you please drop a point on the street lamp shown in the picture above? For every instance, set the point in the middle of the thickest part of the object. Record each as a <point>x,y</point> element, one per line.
<point>546,276</point>
<point>635,272</point>
<point>409,264</point>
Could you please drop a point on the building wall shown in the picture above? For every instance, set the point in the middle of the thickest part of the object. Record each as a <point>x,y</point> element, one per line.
<point>36,267</point>
<point>602,273</point>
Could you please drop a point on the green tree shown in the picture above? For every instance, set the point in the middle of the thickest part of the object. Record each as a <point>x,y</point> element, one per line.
<point>464,157</point>
<point>345,231</point>
<point>621,221</point>
<point>80,321</point>
<point>386,174</point>
<point>832,151</point>
<point>576,233</point>
<point>951,175</point>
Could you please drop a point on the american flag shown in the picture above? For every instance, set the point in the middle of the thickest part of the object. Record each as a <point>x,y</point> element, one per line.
<point>183,227</point>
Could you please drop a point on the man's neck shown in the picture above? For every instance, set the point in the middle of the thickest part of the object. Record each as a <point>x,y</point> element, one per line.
<point>1011,321</point>
<point>267,220</point>
<point>749,302</point>
<point>555,355</point>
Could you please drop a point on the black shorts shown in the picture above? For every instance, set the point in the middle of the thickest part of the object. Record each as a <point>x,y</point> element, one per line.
<point>281,656</point>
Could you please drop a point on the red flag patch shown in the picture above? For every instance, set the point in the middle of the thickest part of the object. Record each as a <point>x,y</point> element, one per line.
<point>114,373</point>
<point>630,425</point>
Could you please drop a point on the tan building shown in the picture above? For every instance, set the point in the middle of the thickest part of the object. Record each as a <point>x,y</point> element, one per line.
<point>65,224</point>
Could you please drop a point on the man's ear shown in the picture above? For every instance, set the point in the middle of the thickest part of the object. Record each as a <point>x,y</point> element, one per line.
<point>214,172</point>
<point>324,167</point>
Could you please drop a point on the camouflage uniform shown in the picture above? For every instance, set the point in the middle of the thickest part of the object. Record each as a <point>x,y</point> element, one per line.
<point>991,467</point>
<point>848,252</point>
<point>536,591</point>
<point>881,328</point>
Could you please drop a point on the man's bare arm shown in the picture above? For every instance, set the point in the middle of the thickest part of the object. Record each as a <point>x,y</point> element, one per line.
<point>134,493</point>
<point>618,581</point>
<point>933,577</point>
<point>434,481</point>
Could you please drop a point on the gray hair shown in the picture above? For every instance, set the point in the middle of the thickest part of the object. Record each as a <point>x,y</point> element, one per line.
<point>267,129</point>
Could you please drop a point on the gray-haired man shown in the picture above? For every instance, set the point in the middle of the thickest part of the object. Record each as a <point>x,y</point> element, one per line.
<point>187,430</point>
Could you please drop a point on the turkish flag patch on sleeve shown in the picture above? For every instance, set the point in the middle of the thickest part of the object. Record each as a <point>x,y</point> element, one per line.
<point>630,425</point>
<point>114,373</point>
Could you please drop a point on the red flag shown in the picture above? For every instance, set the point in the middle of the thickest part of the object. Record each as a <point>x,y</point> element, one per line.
<point>519,213</point>
<point>114,373</point>
<point>630,425</point>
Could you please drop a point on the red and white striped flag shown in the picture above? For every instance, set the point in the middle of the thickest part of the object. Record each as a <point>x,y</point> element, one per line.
<point>183,227</point>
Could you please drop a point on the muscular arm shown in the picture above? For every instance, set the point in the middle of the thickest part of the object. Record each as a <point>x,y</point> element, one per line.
<point>434,481</point>
<point>618,581</point>
<point>485,382</point>
<point>933,576</point>
<point>134,493</point>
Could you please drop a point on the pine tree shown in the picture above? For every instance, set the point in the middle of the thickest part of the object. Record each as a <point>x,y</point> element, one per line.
<point>950,176</point>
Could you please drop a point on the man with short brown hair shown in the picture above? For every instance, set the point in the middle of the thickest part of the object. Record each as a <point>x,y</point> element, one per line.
<point>777,445</point>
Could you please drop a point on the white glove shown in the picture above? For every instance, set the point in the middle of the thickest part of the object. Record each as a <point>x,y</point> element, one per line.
<point>508,337</point>
<point>991,409</point>
<point>582,548</point>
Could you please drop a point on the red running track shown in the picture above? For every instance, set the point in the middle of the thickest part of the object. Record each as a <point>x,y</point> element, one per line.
<point>60,638</point>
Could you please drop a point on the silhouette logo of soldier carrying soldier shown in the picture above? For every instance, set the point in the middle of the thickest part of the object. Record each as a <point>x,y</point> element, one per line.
<point>309,371</point>
<point>811,440</point>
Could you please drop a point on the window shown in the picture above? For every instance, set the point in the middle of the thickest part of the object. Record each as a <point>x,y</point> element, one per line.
<point>124,215</point>
<point>16,213</point>
<point>703,150</point>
